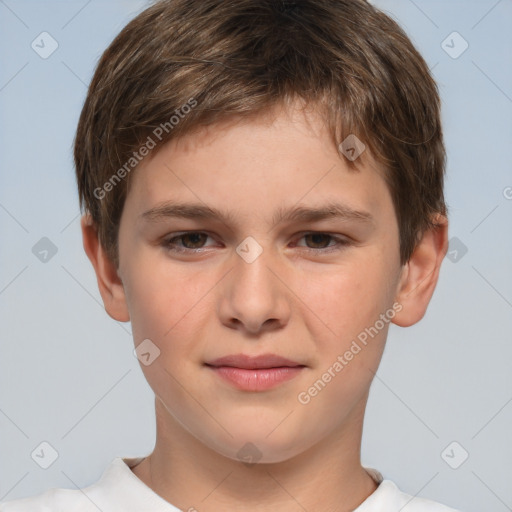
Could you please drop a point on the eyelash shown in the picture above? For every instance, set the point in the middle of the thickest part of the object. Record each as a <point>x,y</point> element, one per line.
<point>341,242</point>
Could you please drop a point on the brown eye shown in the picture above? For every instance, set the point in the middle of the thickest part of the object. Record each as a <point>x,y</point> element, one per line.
<point>193,240</point>
<point>319,240</point>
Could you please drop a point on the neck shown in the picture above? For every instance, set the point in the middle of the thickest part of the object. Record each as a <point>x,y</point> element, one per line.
<point>191,476</point>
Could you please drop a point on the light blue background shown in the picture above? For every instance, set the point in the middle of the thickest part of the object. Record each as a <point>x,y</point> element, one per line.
<point>67,372</point>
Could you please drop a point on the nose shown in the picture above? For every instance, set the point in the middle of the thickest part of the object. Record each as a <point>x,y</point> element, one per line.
<point>254,295</point>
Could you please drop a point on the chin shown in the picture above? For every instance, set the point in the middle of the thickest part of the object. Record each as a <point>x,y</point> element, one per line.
<point>263,446</point>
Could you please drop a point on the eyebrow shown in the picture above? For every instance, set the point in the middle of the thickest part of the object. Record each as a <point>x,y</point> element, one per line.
<point>173,209</point>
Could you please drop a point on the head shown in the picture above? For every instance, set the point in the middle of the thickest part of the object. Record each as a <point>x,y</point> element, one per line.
<point>223,119</point>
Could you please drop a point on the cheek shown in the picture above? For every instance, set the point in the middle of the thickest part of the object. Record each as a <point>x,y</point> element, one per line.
<point>171,306</point>
<point>153,308</point>
<point>344,299</point>
<point>158,295</point>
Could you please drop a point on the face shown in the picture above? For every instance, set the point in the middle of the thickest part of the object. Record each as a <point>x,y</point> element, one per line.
<point>253,239</point>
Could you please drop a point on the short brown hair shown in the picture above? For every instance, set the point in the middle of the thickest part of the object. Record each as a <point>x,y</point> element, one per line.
<point>243,57</point>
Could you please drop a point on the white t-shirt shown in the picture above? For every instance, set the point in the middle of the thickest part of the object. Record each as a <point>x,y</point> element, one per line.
<point>120,490</point>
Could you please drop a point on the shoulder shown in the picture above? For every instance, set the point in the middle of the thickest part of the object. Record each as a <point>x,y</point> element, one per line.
<point>392,499</point>
<point>388,497</point>
<point>117,489</point>
<point>86,499</point>
<point>51,500</point>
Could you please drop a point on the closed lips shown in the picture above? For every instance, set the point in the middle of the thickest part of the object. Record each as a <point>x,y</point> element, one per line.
<point>246,362</point>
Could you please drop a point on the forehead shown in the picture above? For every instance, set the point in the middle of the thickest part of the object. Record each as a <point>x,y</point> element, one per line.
<point>285,155</point>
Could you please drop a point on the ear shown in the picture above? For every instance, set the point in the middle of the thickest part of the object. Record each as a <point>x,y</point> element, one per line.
<point>109,283</point>
<point>420,274</point>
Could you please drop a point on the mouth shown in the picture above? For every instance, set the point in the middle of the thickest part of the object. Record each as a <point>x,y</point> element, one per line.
<point>258,373</point>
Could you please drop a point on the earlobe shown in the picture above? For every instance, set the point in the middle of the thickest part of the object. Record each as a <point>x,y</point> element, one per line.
<point>109,283</point>
<point>419,276</point>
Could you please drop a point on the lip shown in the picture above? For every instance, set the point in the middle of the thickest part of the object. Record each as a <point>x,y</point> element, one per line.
<point>253,362</point>
<point>258,373</point>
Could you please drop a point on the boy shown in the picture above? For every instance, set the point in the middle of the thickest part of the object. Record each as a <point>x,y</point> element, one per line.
<point>263,193</point>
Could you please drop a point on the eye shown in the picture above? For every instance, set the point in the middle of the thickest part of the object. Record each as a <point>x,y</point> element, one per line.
<point>195,241</point>
<point>323,242</point>
<point>189,241</point>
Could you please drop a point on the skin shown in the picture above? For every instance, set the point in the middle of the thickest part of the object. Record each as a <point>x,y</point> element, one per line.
<point>302,298</point>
